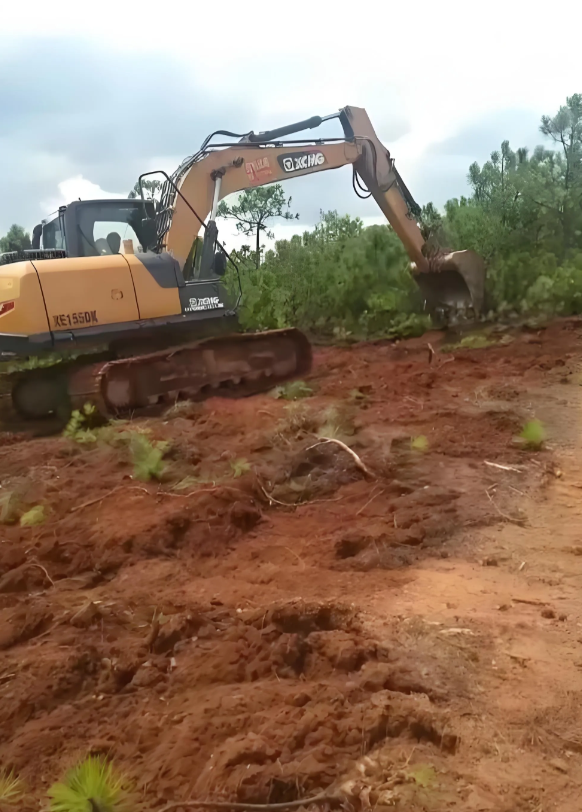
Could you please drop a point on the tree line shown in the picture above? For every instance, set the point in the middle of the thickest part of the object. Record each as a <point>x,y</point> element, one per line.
<point>523,215</point>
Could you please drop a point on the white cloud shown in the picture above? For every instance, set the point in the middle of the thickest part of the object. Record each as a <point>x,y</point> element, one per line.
<point>428,70</point>
<point>76,188</point>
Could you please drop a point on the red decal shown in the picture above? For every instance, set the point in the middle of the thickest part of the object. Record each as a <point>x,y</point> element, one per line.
<point>258,171</point>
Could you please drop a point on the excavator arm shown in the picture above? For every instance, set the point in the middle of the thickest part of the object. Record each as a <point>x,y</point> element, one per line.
<point>454,279</point>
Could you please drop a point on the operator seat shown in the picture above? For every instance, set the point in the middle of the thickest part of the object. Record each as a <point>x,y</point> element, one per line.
<point>114,242</point>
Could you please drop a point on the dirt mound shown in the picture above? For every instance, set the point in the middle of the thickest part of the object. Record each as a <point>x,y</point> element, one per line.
<point>229,630</point>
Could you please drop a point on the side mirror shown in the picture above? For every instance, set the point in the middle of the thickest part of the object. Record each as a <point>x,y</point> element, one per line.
<point>219,264</point>
<point>149,234</point>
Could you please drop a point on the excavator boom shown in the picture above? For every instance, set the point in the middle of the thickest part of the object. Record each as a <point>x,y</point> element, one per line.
<point>446,279</point>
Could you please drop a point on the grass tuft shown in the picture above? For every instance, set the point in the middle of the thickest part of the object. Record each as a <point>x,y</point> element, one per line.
<point>92,784</point>
<point>11,788</point>
<point>240,467</point>
<point>294,390</point>
<point>33,517</point>
<point>419,443</point>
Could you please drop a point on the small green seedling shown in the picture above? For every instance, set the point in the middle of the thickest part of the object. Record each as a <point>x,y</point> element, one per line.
<point>33,517</point>
<point>477,341</point>
<point>76,429</point>
<point>147,457</point>
<point>419,443</point>
<point>240,467</point>
<point>9,507</point>
<point>533,435</point>
<point>424,775</point>
<point>92,784</point>
<point>11,788</point>
<point>294,390</point>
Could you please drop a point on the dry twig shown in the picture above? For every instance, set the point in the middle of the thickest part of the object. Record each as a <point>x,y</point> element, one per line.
<point>357,460</point>
<point>156,493</point>
<point>42,569</point>
<point>504,467</point>
<point>369,502</point>
<point>98,499</point>
<point>503,515</point>
<point>274,501</point>
<point>322,798</point>
<point>529,602</point>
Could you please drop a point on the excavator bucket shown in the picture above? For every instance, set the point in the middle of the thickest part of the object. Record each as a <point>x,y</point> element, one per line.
<point>453,282</point>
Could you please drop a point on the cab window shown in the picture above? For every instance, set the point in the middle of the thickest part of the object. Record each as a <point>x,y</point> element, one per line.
<point>53,235</point>
<point>109,228</point>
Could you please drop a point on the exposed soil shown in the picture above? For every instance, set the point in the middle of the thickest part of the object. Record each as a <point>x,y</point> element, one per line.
<point>269,620</point>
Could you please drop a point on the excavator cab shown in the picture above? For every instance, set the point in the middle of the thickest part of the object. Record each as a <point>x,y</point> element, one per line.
<point>87,228</point>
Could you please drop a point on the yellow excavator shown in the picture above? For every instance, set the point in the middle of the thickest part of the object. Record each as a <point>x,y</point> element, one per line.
<point>128,290</point>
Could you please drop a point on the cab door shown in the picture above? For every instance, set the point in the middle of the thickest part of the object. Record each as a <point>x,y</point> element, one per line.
<point>87,292</point>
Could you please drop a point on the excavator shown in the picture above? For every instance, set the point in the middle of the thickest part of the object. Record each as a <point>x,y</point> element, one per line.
<point>132,302</point>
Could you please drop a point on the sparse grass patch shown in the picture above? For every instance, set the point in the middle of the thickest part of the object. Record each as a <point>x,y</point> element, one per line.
<point>147,456</point>
<point>423,775</point>
<point>533,435</point>
<point>34,517</point>
<point>298,417</point>
<point>419,443</point>
<point>336,421</point>
<point>240,467</point>
<point>476,341</point>
<point>11,788</point>
<point>294,390</point>
<point>188,409</point>
<point>92,784</point>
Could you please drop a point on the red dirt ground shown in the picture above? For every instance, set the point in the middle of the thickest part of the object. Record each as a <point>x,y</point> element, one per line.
<point>412,636</point>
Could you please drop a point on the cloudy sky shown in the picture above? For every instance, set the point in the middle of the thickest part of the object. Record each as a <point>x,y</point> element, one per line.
<point>93,94</point>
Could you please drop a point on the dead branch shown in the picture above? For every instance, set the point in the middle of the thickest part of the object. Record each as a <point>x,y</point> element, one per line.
<point>241,807</point>
<point>42,569</point>
<point>503,515</point>
<point>152,493</point>
<point>504,467</point>
<point>369,502</point>
<point>529,602</point>
<point>357,460</point>
<point>201,490</point>
<point>274,501</point>
<point>98,499</point>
